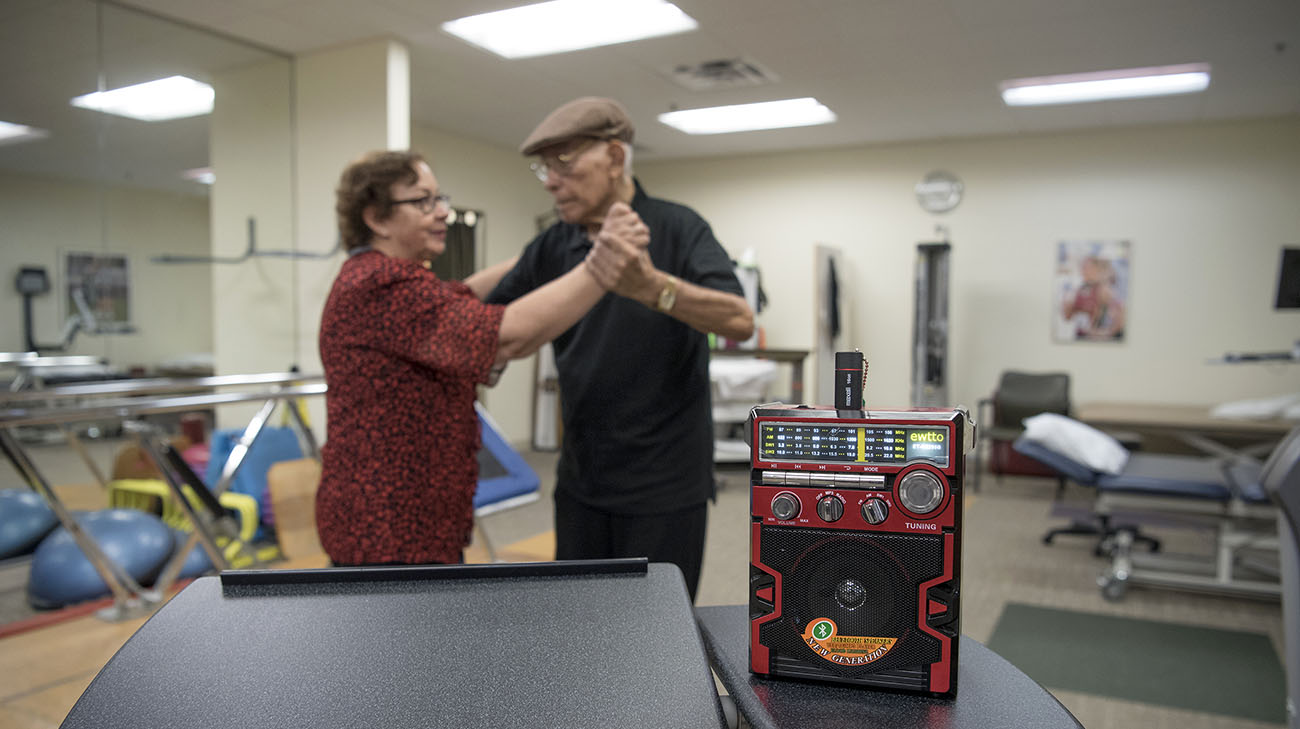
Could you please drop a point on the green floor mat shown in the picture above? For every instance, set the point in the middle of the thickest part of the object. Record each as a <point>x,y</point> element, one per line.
<point>1228,672</point>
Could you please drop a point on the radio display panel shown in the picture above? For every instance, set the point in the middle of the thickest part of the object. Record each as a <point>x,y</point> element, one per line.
<point>852,443</point>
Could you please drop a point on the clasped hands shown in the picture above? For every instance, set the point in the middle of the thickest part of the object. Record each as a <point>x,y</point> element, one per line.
<point>618,258</point>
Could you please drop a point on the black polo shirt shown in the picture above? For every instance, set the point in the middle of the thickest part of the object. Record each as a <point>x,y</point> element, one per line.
<point>634,383</point>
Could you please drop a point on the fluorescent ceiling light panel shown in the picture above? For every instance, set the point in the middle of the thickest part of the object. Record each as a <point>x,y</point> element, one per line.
<point>803,112</point>
<point>569,25</point>
<point>201,175</point>
<point>1129,83</point>
<point>11,133</point>
<point>174,97</point>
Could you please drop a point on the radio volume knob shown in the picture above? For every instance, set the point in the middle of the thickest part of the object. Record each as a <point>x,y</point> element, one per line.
<point>830,509</point>
<point>875,511</point>
<point>785,506</point>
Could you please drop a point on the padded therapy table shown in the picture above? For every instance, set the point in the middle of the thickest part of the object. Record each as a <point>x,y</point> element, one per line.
<point>1222,494</point>
<point>564,644</point>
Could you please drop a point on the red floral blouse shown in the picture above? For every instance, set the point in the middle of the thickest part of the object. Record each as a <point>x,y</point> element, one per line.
<point>402,352</point>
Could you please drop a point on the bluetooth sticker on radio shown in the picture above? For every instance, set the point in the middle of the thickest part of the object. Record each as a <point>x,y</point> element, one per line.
<point>822,636</point>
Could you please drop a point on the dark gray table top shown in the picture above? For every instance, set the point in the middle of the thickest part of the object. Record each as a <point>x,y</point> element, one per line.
<point>991,693</point>
<point>412,649</point>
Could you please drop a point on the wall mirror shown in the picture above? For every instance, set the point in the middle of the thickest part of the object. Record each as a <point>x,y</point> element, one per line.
<point>94,199</point>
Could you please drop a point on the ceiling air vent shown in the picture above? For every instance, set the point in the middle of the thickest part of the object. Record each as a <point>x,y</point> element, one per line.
<point>726,73</point>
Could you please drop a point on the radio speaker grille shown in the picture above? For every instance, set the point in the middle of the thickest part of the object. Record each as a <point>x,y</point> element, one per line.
<point>866,582</point>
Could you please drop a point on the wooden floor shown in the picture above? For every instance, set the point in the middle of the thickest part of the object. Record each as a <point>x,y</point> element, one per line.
<point>45,670</point>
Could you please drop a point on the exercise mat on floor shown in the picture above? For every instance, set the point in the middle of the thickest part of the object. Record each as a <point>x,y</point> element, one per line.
<point>1229,672</point>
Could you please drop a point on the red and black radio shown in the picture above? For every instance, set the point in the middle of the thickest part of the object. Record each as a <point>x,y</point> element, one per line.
<point>855,545</point>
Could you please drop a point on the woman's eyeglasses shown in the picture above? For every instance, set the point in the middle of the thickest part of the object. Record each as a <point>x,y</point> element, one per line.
<point>427,203</point>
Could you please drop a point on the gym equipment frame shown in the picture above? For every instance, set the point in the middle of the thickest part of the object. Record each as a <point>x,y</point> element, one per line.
<point>129,598</point>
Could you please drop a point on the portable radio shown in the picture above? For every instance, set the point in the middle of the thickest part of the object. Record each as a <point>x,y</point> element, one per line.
<point>855,544</point>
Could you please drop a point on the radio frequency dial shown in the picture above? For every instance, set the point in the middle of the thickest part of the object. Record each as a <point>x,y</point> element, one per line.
<point>875,510</point>
<point>785,506</point>
<point>920,492</point>
<point>830,509</point>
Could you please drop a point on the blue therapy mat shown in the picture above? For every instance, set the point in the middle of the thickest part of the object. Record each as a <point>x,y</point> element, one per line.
<point>502,472</point>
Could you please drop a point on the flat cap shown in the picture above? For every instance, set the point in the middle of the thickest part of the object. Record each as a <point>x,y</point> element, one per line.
<point>590,116</point>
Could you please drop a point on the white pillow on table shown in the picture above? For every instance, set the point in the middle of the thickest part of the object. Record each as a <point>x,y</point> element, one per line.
<point>1079,441</point>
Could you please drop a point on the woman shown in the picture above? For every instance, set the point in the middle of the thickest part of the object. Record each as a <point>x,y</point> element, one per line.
<point>403,352</point>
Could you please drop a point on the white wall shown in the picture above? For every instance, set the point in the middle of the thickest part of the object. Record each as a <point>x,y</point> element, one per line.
<point>479,176</point>
<point>278,143</point>
<point>1207,208</point>
<point>258,334</point>
<point>171,306</point>
<point>251,151</point>
<point>349,101</point>
<point>497,182</point>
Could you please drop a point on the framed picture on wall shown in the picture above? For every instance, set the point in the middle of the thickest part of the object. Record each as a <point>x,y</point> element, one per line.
<point>1091,290</point>
<point>98,289</point>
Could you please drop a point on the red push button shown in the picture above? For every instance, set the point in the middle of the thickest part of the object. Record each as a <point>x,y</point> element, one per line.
<point>765,593</point>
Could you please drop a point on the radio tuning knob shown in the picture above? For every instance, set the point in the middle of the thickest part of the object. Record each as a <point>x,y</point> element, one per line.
<point>875,511</point>
<point>830,509</point>
<point>920,492</point>
<point>785,506</point>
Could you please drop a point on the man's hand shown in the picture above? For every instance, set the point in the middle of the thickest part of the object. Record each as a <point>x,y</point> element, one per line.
<point>618,258</point>
<point>622,223</point>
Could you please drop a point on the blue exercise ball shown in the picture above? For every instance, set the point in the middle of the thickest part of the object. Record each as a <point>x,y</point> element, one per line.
<point>25,519</point>
<point>138,542</point>
<point>197,562</point>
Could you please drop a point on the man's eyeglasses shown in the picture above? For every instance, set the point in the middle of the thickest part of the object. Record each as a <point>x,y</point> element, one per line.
<point>562,163</point>
<point>427,203</point>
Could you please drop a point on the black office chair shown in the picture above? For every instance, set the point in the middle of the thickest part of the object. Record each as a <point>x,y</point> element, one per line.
<point>1281,477</point>
<point>1019,395</point>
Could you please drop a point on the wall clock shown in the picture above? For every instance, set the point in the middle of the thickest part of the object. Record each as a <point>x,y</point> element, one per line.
<point>939,192</point>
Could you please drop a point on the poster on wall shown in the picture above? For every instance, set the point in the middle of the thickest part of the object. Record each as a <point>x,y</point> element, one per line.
<point>1092,290</point>
<point>98,287</point>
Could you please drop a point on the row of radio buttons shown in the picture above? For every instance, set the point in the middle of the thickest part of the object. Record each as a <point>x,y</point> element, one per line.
<point>785,506</point>
<point>823,478</point>
<point>919,491</point>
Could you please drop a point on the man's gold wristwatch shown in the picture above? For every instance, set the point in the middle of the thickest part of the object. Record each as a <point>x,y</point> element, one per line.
<point>668,296</point>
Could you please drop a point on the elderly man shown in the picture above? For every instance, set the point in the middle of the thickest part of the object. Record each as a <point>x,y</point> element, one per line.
<point>636,465</point>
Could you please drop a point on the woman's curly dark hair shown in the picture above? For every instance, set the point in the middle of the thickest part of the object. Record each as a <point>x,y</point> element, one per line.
<point>366,182</point>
